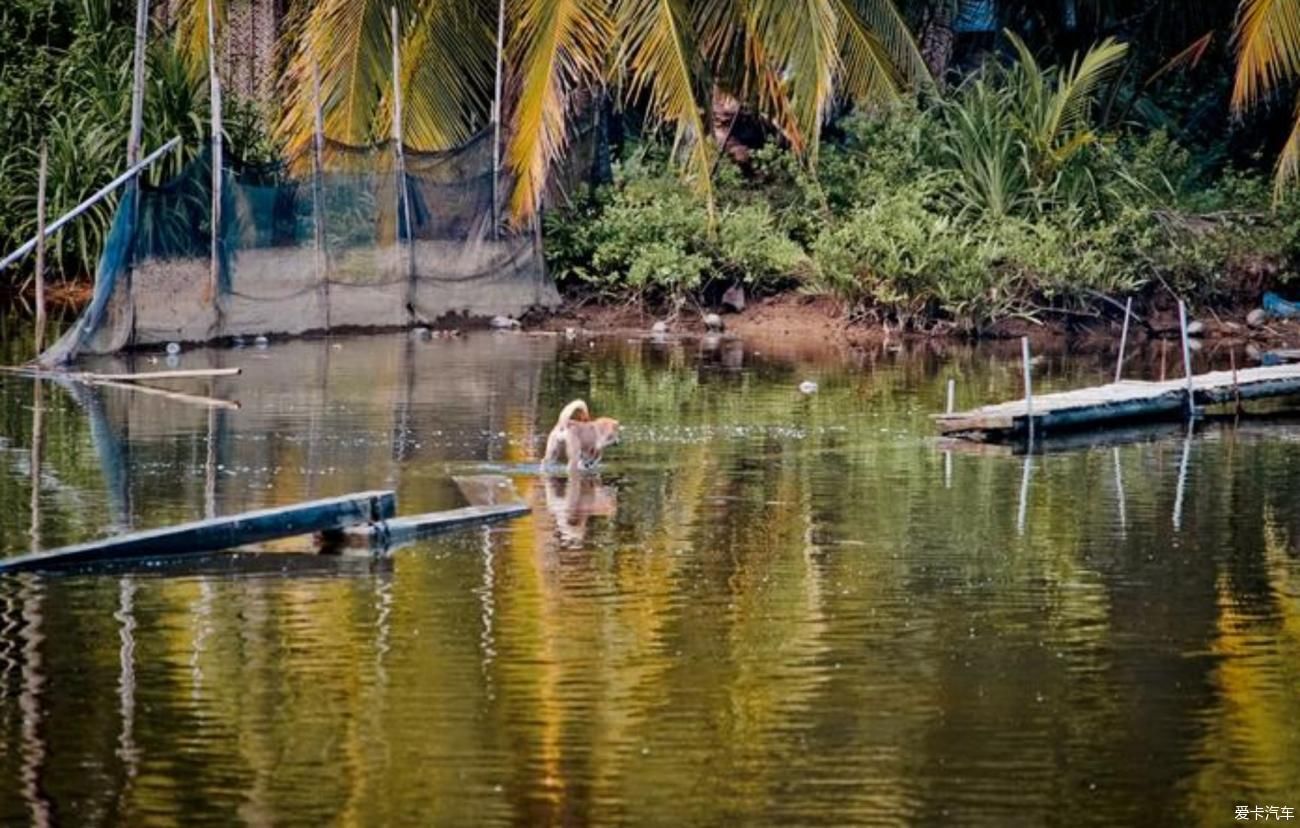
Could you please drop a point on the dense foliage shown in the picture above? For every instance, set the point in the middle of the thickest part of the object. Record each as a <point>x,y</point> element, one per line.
<point>1009,198</point>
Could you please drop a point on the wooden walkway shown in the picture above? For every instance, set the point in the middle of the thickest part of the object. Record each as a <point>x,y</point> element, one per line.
<point>1122,402</point>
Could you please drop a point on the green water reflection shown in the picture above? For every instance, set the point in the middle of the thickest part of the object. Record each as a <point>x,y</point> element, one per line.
<point>767,609</point>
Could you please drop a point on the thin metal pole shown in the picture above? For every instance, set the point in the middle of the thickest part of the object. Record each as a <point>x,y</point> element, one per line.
<point>137,82</point>
<point>1187,358</point>
<point>214,82</point>
<point>403,194</point>
<point>40,249</point>
<point>952,395</point>
<point>1119,493</point>
<point>1029,388</point>
<point>496,122</point>
<point>1022,513</point>
<point>38,453</point>
<point>318,187</point>
<point>56,225</point>
<point>1123,340</point>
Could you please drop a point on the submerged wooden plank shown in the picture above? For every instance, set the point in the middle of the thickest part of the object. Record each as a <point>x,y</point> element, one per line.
<point>217,533</point>
<point>406,529</point>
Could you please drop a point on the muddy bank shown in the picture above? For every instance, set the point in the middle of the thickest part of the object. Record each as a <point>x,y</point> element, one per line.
<point>821,322</point>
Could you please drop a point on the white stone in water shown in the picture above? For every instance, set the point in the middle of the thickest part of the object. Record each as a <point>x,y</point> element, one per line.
<point>808,387</point>
<point>713,322</point>
<point>1257,318</point>
<point>261,342</point>
<point>660,327</point>
<point>421,332</point>
<point>173,348</point>
<point>1196,328</point>
<point>504,323</point>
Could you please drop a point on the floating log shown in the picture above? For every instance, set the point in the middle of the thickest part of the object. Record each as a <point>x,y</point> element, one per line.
<point>1119,402</point>
<point>213,535</point>
<point>399,531</point>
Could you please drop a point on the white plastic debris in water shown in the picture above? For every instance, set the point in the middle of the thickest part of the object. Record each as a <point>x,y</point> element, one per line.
<point>173,348</point>
<point>421,333</point>
<point>660,327</point>
<point>713,322</point>
<point>261,342</point>
<point>570,333</point>
<point>808,387</point>
<point>504,323</point>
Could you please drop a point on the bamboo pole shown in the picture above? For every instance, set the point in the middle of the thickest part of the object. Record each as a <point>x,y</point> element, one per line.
<point>1187,358</point>
<point>318,188</point>
<point>40,249</point>
<point>1029,388</point>
<point>137,83</point>
<point>403,193</point>
<point>56,225</point>
<point>1123,340</point>
<point>188,373</point>
<point>214,85</point>
<point>496,122</point>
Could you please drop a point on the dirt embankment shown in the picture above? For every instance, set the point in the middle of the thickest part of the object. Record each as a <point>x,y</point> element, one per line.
<point>820,321</point>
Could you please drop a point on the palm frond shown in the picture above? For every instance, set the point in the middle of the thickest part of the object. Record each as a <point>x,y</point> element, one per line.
<point>1288,163</point>
<point>1268,49</point>
<point>448,60</point>
<point>557,48</point>
<point>192,33</point>
<point>802,37</point>
<point>884,20</point>
<point>869,71</point>
<point>661,59</point>
<point>350,41</point>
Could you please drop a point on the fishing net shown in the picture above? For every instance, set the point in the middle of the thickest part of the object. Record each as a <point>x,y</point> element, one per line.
<point>357,246</point>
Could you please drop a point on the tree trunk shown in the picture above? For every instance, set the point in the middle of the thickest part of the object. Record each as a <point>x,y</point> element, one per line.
<point>936,42</point>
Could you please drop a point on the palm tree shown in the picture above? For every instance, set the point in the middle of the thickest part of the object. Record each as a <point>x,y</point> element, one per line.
<point>1268,56</point>
<point>788,61</point>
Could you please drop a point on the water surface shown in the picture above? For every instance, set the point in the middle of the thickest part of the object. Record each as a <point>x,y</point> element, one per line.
<point>766,609</point>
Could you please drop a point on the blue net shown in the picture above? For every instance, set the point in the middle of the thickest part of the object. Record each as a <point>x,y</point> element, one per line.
<point>356,246</point>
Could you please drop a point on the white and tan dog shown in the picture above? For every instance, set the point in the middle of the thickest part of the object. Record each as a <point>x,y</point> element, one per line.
<point>579,439</point>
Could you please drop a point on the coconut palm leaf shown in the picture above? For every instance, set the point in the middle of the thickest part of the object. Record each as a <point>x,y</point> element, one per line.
<point>350,41</point>
<point>448,60</point>
<point>1268,48</point>
<point>870,73</point>
<point>557,49</point>
<point>803,38</point>
<point>658,49</point>
<point>192,33</point>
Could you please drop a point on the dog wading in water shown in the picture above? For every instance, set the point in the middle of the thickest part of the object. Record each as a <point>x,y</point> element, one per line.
<point>579,439</point>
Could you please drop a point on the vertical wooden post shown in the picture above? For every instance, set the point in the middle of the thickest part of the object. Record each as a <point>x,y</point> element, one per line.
<point>214,94</point>
<point>137,83</point>
<point>40,249</point>
<point>1123,340</point>
<point>403,195</point>
<point>318,187</point>
<point>952,395</point>
<point>496,122</point>
<point>1187,358</point>
<point>1236,389</point>
<point>1029,388</point>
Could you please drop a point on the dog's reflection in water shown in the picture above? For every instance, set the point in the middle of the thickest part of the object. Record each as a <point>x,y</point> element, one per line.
<point>573,500</point>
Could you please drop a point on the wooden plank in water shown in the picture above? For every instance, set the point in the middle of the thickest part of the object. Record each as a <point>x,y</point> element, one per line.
<point>1123,402</point>
<point>217,533</point>
<point>403,530</point>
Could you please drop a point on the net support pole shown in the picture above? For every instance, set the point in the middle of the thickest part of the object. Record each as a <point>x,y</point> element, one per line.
<point>496,122</point>
<point>1123,340</point>
<point>403,193</point>
<point>318,189</point>
<point>1029,388</point>
<point>40,249</point>
<point>214,84</point>
<point>137,83</point>
<point>1187,359</point>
